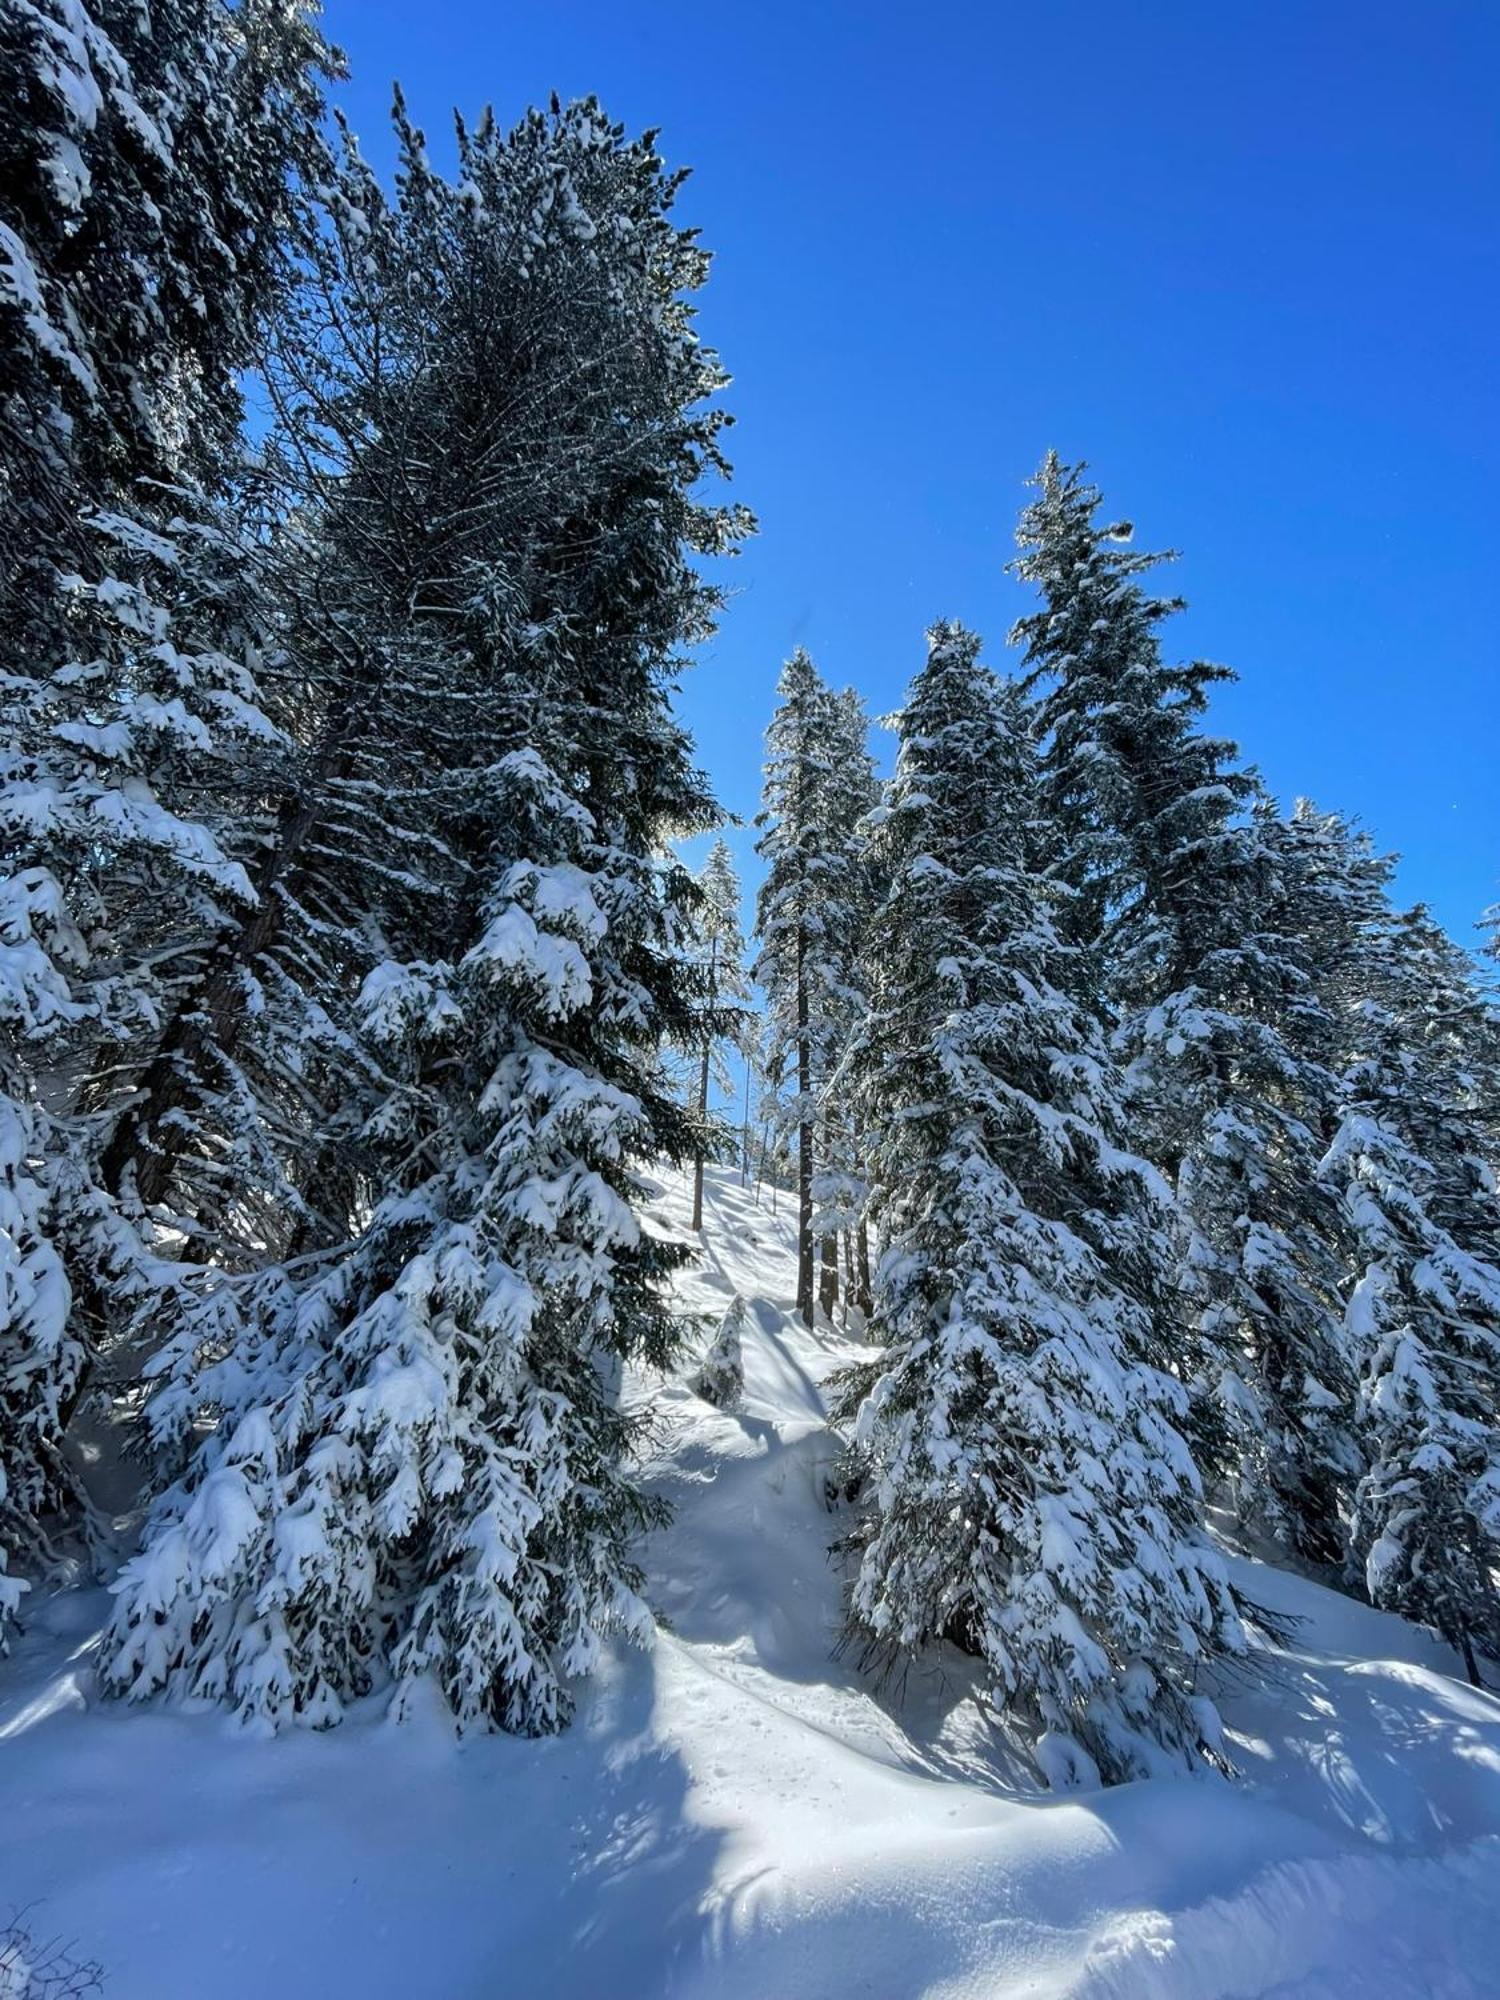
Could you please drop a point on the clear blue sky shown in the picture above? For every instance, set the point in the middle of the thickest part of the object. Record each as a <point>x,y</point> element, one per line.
<point>1243,259</point>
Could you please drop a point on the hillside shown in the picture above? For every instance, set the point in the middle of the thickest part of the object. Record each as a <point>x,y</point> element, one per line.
<point>738,1814</point>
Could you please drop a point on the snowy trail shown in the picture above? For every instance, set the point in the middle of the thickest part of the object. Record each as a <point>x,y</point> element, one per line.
<point>738,1816</point>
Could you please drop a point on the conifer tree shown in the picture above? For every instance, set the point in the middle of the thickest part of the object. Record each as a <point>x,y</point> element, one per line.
<point>1489,928</point>
<point>1458,1032</point>
<point>720,1375</point>
<point>1331,897</point>
<point>1423,1224</point>
<point>478,323</point>
<point>718,958</point>
<point>152,196</point>
<point>848,909</point>
<point>150,210</point>
<point>1404,1026</point>
<point>1178,891</point>
<point>819,786</point>
<point>1027,1490</point>
<point>788,922</point>
<point>417,1470</point>
<point>41,1358</point>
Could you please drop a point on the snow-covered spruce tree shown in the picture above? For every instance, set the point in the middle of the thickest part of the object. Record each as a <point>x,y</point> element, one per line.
<point>1332,897</point>
<point>427,1478</point>
<point>418,1474</point>
<point>838,1175</point>
<point>1403,1021</point>
<point>1457,1031</point>
<point>720,1375</point>
<point>480,412</point>
<point>41,1359</point>
<point>127,783</point>
<point>1180,896</point>
<point>259,1046</point>
<point>818,786</point>
<point>1484,1049</point>
<point>786,922</point>
<point>1423,1224</point>
<point>149,201</point>
<point>1489,928</point>
<point>149,161</point>
<point>718,961</point>
<point>1025,1487</point>
<point>142,774</point>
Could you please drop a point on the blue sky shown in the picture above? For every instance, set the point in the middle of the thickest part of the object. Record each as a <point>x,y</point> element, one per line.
<point>1243,259</point>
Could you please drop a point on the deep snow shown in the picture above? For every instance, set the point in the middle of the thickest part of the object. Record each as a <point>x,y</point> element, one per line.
<point>737,1816</point>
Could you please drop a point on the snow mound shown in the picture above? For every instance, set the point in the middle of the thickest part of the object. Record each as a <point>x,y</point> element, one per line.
<point>737,1815</point>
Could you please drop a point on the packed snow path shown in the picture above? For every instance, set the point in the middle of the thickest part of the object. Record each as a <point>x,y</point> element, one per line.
<point>737,1815</point>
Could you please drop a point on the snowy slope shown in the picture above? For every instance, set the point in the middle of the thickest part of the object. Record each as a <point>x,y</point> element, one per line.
<point>737,1816</point>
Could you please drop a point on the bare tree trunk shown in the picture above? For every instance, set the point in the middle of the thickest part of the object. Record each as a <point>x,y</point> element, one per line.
<point>711,1004</point>
<point>863,1295</point>
<point>828,1278</point>
<point>1471,1665</point>
<point>698,1156</point>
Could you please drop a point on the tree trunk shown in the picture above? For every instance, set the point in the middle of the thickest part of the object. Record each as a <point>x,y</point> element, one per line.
<point>864,1297</point>
<point>698,1155</point>
<point>1471,1665</point>
<point>828,1278</point>
<point>761,1157</point>
<point>804,1149</point>
<point>711,1003</point>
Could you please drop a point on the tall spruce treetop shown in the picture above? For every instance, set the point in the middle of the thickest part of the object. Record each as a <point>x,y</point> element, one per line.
<point>717,963</point>
<point>797,770</point>
<point>1144,802</point>
<point>1331,895</point>
<point>149,215</point>
<point>449,521</point>
<point>417,1474</point>
<point>718,947</point>
<point>1027,1489</point>
<point>819,785</point>
<point>1179,893</point>
<point>1457,1032</point>
<point>789,920</point>
<point>852,795</point>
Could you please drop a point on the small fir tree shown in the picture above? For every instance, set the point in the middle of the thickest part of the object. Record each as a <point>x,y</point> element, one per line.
<point>720,1377</point>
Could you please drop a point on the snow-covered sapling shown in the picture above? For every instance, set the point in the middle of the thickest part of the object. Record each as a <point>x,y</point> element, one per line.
<point>720,1378</point>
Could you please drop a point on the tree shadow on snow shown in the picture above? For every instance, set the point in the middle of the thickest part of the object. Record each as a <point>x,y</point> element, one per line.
<point>1397,1753</point>
<point>380,1860</point>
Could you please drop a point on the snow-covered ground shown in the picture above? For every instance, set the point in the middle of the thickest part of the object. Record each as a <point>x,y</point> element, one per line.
<point>738,1816</point>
